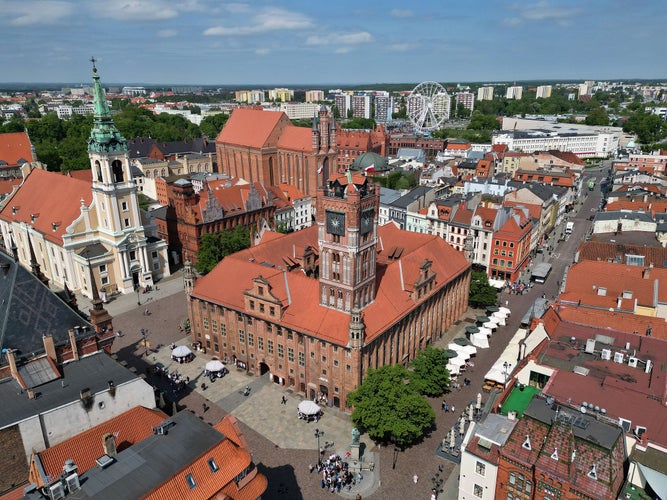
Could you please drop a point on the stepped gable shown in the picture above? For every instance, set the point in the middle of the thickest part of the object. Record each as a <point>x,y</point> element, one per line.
<point>47,200</point>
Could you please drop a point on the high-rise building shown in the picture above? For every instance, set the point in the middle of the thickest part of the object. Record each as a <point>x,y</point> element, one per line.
<point>249,96</point>
<point>281,94</point>
<point>514,92</point>
<point>543,91</point>
<point>342,102</point>
<point>361,106</point>
<point>384,105</point>
<point>467,99</point>
<point>485,94</point>
<point>314,95</point>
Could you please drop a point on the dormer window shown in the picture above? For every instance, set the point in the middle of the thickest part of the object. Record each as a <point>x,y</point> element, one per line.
<point>33,217</point>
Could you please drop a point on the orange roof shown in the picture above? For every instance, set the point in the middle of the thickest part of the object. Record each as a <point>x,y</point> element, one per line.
<point>231,456</point>
<point>487,214</point>
<point>304,313</point>
<point>252,127</point>
<point>292,192</point>
<point>458,146</point>
<point>296,139</point>
<point>15,146</point>
<point>589,277</point>
<point>53,198</point>
<point>7,184</point>
<point>129,428</point>
<point>84,175</point>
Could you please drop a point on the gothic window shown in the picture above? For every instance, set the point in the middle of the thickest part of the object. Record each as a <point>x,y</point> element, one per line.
<point>98,170</point>
<point>117,169</point>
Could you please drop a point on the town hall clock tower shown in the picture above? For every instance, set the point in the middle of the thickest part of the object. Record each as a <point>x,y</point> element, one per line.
<point>347,214</point>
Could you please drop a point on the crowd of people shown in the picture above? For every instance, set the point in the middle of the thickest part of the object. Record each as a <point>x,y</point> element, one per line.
<point>335,474</point>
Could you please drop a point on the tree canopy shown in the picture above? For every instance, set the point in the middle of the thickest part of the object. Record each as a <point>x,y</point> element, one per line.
<point>649,128</point>
<point>214,247</point>
<point>429,374</point>
<point>481,293</point>
<point>398,180</point>
<point>389,408</point>
<point>358,123</point>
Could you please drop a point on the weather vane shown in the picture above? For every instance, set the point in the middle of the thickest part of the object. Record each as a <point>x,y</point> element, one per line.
<point>93,60</point>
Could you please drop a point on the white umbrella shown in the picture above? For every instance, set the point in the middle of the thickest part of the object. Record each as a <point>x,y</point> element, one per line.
<point>453,369</point>
<point>452,438</point>
<point>479,400</point>
<point>462,425</point>
<point>215,365</point>
<point>486,331</point>
<point>505,309</point>
<point>308,407</point>
<point>500,314</point>
<point>471,413</point>
<point>479,340</point>
<point>181,351</point>
<point>457,361</point>
<point>500,320</point>
<point>469,349</point>
<point>490,325</point>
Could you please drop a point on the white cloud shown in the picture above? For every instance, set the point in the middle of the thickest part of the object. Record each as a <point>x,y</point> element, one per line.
<point>340,39</point>
<point>29,13</point>
<point>167,33</point>
<point>269,19</point>
<point>402,47</point>
<point>262,52</point>
<point>401,13</point>
<point>342,50</point>
<point>541,11</point>
<point>137,10</point>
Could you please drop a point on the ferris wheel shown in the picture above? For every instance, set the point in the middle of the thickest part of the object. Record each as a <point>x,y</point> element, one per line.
<point>428,106</point>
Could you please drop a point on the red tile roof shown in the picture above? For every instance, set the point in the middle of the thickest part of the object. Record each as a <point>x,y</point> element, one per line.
<point>252,127</point>
<point>84,175</point>
<point>53,197</point>
<point>15,146</point>
<point>296,139</point>
<point>129,428</point>
<point>598,250</point>
<point>292,192</point>
<point>7,184</point>
<point>585,280</point>
<point>567,156</point>
<point>304,313</point>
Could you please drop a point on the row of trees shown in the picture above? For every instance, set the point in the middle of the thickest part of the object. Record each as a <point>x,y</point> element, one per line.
<point>390,404</point>
<point>63,144</point>
<point>214,247</point>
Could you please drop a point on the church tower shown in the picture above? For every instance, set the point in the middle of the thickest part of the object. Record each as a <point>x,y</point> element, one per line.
<point>347,218</point>
<point>115,196</point>
<point>324,146</point>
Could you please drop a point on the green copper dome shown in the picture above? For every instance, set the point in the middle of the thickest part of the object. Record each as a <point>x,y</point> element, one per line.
<point>105,136</point>
<point>369,159</point>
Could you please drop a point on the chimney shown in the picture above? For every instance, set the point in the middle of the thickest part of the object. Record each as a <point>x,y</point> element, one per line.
<point>49,346</point>
<point>72,343</point>
<point>109,444</point>
<point>12,364</point>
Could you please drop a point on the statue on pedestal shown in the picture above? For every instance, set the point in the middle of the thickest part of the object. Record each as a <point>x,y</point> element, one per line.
<point>355,436</point>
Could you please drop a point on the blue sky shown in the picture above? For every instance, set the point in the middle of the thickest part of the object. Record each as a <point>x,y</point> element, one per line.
<point>327,42</point>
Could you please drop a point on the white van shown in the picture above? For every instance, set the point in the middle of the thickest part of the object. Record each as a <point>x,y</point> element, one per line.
<point>569,227</point>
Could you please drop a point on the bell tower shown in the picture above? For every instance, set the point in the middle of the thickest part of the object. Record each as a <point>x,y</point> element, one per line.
<point>115,196</point>
<point>347,216</point>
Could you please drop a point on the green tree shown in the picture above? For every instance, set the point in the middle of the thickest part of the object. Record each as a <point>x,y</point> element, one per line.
<point>336,112</point>
<point>214,247</point>
<point>429,373</point>
<point>597,116</point>
<point>212,124</point>
<point>648,127</point>
<point>388,407</point>
<point>479,121</point>
<point>15,124</point>
<point>481,293</point>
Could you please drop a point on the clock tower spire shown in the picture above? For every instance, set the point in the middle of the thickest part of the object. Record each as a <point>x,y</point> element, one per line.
<point>347,213</point>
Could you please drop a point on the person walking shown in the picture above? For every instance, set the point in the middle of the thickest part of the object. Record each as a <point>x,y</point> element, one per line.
<point>283,400</point>
<point>415,478</point>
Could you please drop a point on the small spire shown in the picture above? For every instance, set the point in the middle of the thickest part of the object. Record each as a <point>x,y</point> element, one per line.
<point>93,60</point>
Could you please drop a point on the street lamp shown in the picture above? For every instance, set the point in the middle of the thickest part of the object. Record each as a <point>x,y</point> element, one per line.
<point>318,434</point>
<point>143,336</point>
<point>136,289</point>
<point>507,365</point>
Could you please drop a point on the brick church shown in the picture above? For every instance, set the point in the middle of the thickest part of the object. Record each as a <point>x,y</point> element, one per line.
<point>313,310</point>
<point>264,146</point>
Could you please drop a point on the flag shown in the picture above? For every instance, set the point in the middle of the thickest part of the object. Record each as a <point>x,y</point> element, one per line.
<point>370,169</point>
<point>319,170</point>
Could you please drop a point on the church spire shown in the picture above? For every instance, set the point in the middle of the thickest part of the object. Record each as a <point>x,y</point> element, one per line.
<point>104,137</point>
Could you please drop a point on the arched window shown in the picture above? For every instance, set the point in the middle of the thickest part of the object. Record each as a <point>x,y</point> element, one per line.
<point>98,170</point>
<point>117,169</point>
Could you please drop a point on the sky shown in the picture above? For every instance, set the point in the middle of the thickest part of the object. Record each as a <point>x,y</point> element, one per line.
<point>290,42</point>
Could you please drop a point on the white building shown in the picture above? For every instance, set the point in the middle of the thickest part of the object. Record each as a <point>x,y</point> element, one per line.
<point>134,91</point>
<point>514,92</point>
<point>543,91</point>
<point>297,110</point>
<point>314,95</point>
<point>485,94</point>
<point>479,457</point>
<point>583,145</point>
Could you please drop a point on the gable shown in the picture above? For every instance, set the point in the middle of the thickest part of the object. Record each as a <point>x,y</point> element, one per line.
<point>253,128</point>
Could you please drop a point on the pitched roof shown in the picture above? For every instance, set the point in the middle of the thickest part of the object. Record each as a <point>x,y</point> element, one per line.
<point>128,428</point>
<point>15,146</point>
<point>252,127</point>
<point>52,198</point>
<point>303,312</point>
<point>296,139</point>
<point>618,252</point>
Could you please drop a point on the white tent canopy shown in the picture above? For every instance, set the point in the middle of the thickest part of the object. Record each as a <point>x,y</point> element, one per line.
<point>485,331</point>
<point>181,351</point>
<point>453,369</point>
<point>498,373</point>
<point>469,349</point>
<point>308,407</point>
<point>480,340</point>
<point>457,361</point>
<point>215,365</point>
<point>490,325</point>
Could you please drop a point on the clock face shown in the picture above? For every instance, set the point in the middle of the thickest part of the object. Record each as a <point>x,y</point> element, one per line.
<point>366,221</point>
<point>335,223</point>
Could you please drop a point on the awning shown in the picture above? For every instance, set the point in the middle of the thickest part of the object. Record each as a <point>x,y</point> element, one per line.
<point>657,480</point>
<point>215,365</point>
<point>308,407</point>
